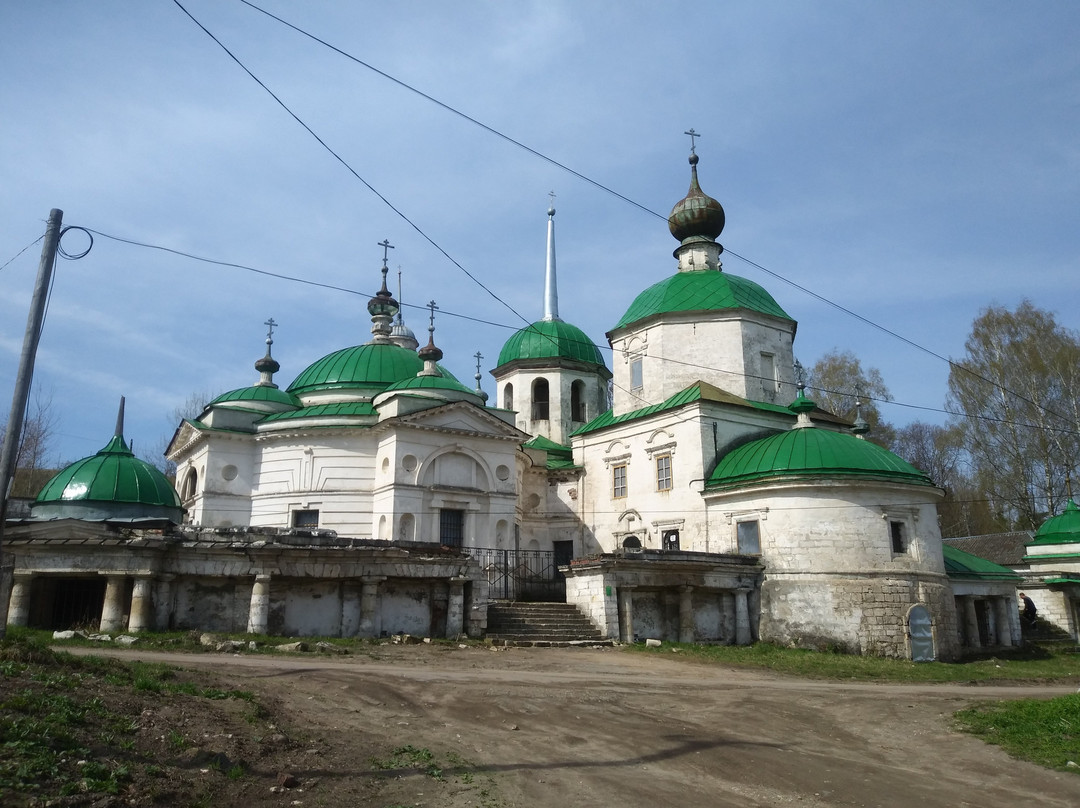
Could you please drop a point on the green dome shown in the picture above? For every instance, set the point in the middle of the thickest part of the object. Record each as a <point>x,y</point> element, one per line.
<point>701,290</point>
<point>811,452</point>
<point>258,393</point>
<point>430,383</point>
<point>111,484</point>
<point>550,339</point>
<point>374,365</point>
<point>1061,529</point>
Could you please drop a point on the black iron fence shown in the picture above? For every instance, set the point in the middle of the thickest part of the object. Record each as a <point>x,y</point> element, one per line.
<point>530,575</point>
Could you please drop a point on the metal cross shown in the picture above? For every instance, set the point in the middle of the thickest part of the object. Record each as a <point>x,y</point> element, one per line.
<point>478,356</point>
<point>386,247</point>
<point>693,136</point>
<point>270,330</point>
<point>431,326</point>
<point>551,199</point>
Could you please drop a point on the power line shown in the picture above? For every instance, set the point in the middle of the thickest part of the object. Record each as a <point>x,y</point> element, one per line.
<point>20,252</point>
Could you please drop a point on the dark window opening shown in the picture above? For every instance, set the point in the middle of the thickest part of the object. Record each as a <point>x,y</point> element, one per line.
<point>896,533</point>
<point>540,400</point>
<point>307,519</point>
<point>451,527</point>
<point>508,397</point>
<point>577,402</point>
<point>671,540</point>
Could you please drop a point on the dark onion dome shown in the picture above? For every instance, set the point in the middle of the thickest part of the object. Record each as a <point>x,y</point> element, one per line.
<point>113,484</point>
<point>697,216</point>
<point>810,452</point>
<point>1061,529</point>
<point>550,339</point>
<point>373,366</point>
<point>700,291</point>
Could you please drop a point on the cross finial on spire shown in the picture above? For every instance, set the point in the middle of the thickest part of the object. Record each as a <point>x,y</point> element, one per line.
<point>478,356</point>
<point>693,139</point>
<point>270,331</point>
<point>800,376</point>
<point>386,247</point>
<point>551,203</point>
<point>431,319</point>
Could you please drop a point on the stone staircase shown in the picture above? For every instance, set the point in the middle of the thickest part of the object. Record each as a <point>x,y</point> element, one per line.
<point>541,625</point>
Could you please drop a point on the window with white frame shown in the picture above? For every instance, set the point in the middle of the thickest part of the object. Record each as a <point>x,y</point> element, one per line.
<point>768,374</point>
<point>618,481</point>
<point>636,375</point>
<point>663,472</point>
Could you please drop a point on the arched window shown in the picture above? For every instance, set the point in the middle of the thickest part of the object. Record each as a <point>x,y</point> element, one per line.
<point>508,397</point>
<point>191,484</point>
<point>540,400</point>
<point>577,402</point>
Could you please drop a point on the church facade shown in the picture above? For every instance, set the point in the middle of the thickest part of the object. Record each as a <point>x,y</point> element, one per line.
<point>690,491</point>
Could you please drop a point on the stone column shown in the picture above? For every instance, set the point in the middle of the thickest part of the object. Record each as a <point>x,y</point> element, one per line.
<point>350,608</point>
<point>686,614</point>
<point>370,618</point>
<point>455,609</point>
<point>626,614</point>
<point>1013,615</point>
<point>163,603</point>
<point>142,604</point>
<point>112,613</point>
<point>1001,621</point>
<point>19,605</point>
<point>259,609</point>
<point>971,623</point>
<point>742,618</point>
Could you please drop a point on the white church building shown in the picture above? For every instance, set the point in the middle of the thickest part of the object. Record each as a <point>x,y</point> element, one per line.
<point>691,491</point>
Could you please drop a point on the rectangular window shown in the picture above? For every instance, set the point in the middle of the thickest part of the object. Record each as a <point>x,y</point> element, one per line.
<point>768,373</point>
<point>899,540</point>
<point>636,378</point>
<point>307,519</point>
<point>618,481</point>
<point>749,538</point>
<point>451,527</point>
<point>663,472</point>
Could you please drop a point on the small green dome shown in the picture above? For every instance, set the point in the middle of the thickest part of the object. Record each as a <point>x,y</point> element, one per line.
<point>811,452</point>
<point>258,393</point>
<point>1061,529</point>
<point>702,290</point>
<point>373,365</point>
<point>430,383</point>
<point>551,339</point>
<point>111,484</point>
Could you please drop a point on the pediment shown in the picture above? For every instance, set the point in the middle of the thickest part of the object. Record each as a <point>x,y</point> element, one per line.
<point>186,435</point>
<point>459,417</point>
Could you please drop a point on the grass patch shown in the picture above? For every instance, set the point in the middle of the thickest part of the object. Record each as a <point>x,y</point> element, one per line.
<point>1032,663</point>
<point>1043,732</point>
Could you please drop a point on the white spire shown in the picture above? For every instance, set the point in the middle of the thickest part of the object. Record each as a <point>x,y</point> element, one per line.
<point>551,292</point>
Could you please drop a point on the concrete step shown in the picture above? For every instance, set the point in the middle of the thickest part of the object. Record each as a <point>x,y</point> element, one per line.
<point>543,623</point>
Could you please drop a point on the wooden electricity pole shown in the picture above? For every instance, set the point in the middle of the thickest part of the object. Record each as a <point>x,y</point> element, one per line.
<point>13,434</point>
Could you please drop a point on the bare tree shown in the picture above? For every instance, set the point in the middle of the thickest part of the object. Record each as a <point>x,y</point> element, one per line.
<point>33,464</point>
<point>191,407</point>
<point>835,382</point>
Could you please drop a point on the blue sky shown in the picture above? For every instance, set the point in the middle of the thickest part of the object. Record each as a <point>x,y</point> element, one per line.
<point>914,162</point>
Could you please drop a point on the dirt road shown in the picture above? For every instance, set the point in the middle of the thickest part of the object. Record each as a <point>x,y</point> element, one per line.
<point>554,728</point>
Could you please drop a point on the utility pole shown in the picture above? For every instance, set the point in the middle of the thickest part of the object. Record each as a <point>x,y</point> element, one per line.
<point>13,434</point>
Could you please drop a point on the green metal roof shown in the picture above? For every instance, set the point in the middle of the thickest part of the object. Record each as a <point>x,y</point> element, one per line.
<point>1061,529</point>
<point>699,391</point>
<point>431,383</point>
<point>558,456</point>
<point>258,393</point>
<point>112,477</point>
<point>966,566</point>
<point>374,365</point>
<point>347,408</point>
<point>702,290</point>
<point>811,452</point>
<point>551,339</point>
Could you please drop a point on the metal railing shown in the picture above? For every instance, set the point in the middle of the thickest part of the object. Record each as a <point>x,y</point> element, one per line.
<point>529,575</point>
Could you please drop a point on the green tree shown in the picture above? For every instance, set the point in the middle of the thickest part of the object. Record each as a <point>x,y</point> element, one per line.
<point>1014,396</point>
<point>838,379</point>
